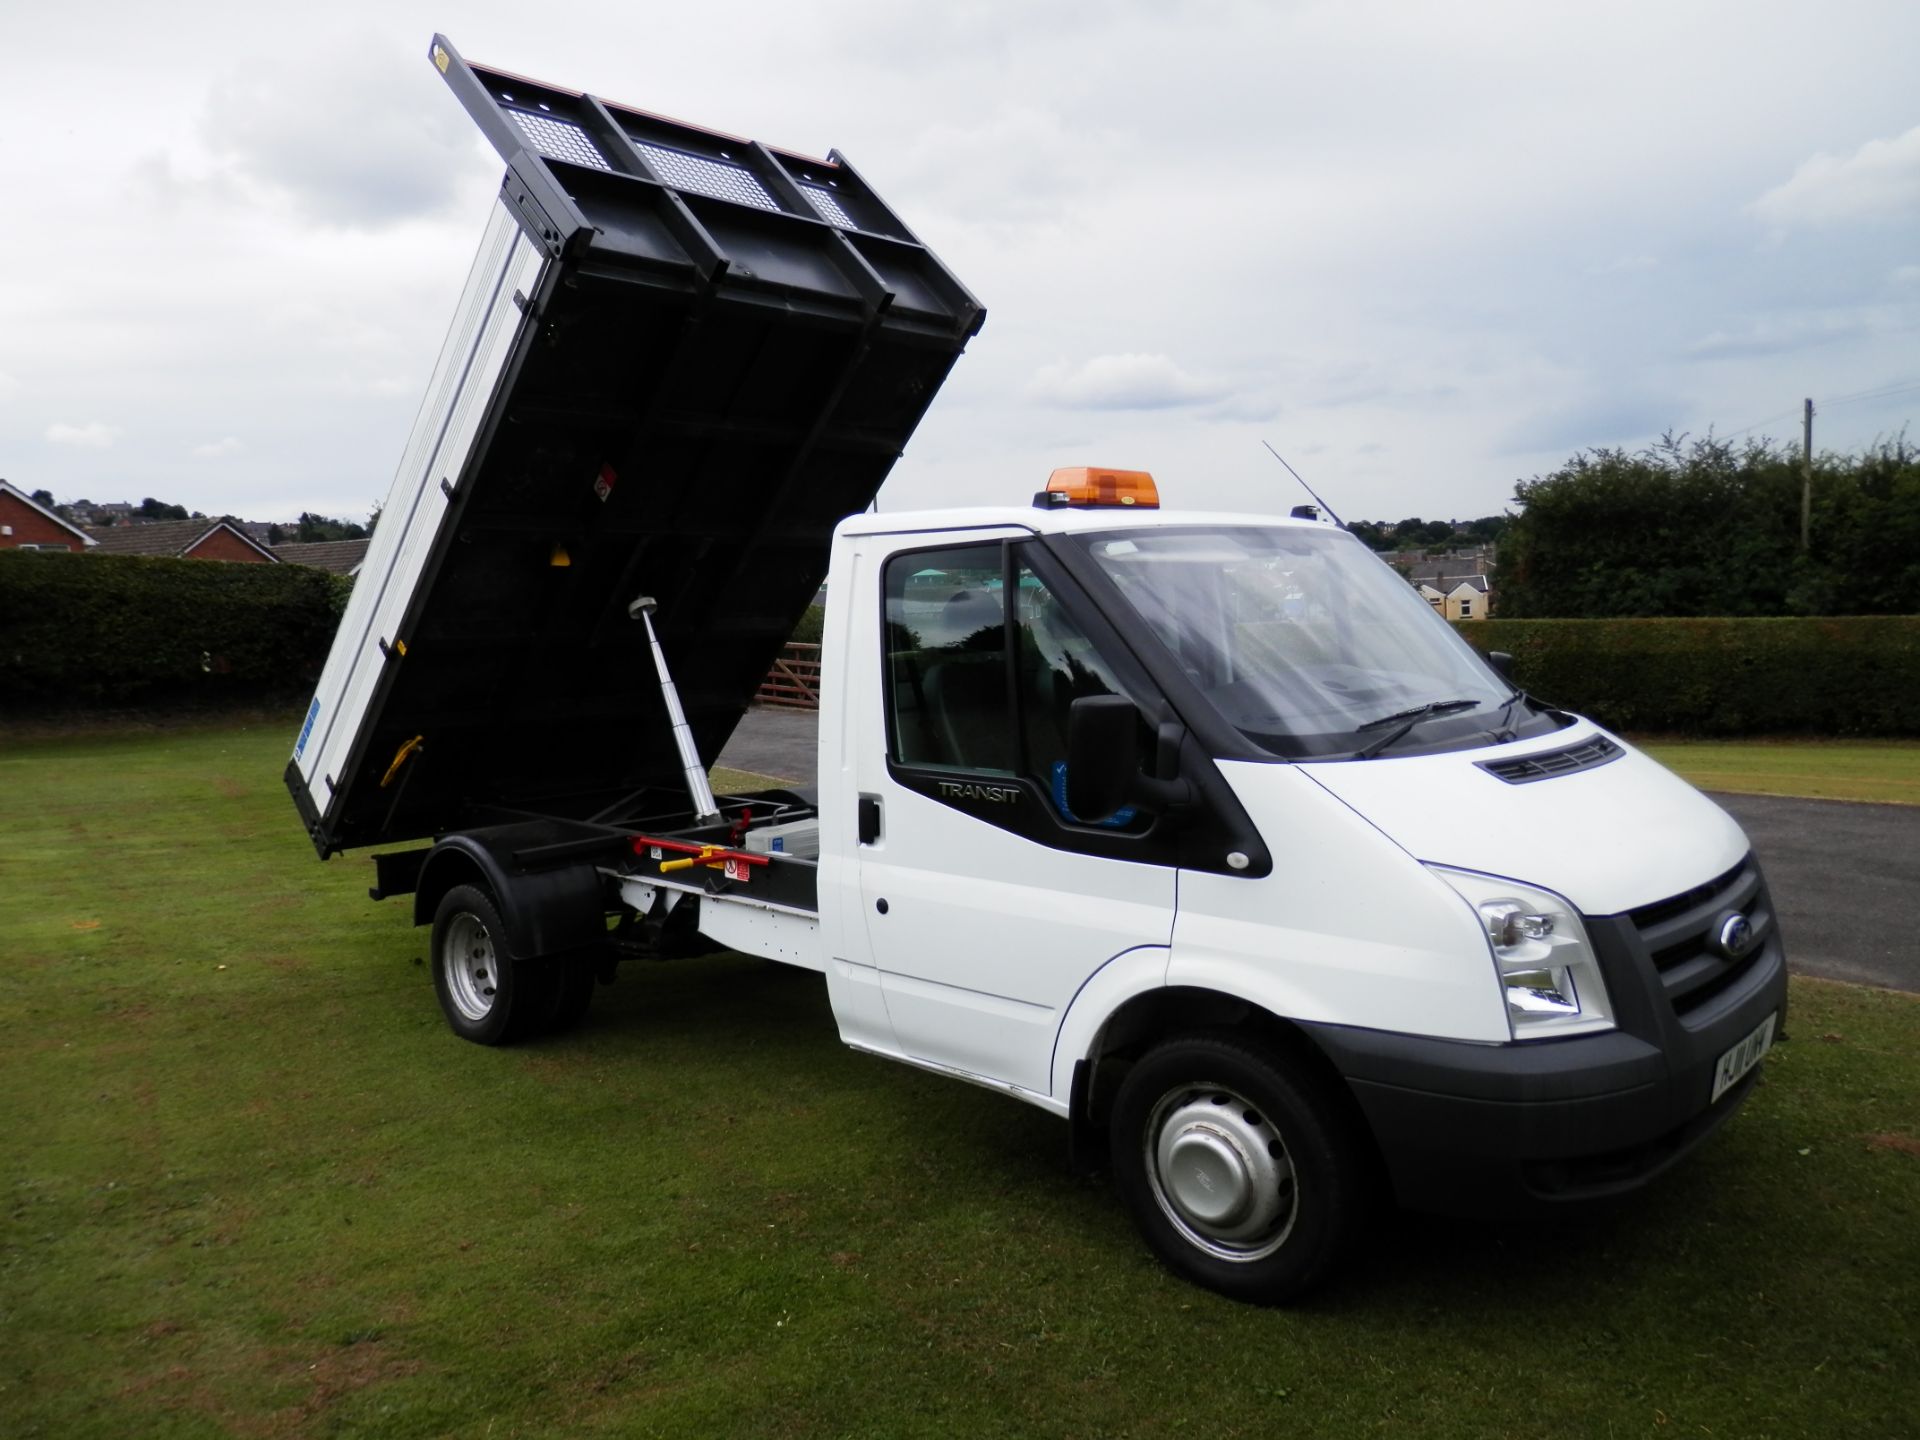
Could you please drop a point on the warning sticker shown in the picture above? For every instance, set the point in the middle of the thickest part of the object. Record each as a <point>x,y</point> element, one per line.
<point>313,714</point>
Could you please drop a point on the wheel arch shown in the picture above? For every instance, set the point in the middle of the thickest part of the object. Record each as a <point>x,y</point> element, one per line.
<point>546,912</point>
<point>1150,1016</point>
<point>448,864</point>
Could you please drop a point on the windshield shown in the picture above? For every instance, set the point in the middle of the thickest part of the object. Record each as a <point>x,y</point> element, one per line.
<point>1308,644</point>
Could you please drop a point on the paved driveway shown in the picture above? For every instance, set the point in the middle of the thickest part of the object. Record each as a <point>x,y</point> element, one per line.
<point>1845,877</point>
<point>776,742</point>
<point>1846,880</point>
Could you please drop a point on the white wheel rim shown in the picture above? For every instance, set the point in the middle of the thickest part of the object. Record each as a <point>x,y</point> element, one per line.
<point>1220,1172</point>
<point>470,966</point>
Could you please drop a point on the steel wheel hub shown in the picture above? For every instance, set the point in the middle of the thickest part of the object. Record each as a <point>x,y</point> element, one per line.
<point>469,964</point>
<point>1220,1172</point>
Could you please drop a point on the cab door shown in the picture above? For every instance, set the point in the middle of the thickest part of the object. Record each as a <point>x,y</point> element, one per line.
<point>987,904</point>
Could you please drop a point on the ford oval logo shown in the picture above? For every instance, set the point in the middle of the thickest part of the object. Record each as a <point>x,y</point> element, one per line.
<point>1734,937</point>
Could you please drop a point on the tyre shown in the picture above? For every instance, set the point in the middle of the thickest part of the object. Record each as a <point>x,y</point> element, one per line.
<point>487,995</point>
<point>1241,1167</point>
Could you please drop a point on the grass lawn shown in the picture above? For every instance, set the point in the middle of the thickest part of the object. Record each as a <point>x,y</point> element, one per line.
<point>255,1187</point>
<point>1886,770</point>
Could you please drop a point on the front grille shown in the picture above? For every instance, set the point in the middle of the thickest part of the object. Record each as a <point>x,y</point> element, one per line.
<point>1648,916</point>
<point>1524,769</point>
<point>1679,934</point>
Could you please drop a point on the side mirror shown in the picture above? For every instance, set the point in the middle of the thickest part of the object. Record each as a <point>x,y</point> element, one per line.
<point>1101,764</point>
<point>1103,768</point>
<point>1502,664</point>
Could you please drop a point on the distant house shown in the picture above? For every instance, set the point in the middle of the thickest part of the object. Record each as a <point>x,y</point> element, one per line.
<point>1434,566</point>
<point>25,524</point>
<point>342,557</point>
<point>184,539</point>
<point>1459,597</point>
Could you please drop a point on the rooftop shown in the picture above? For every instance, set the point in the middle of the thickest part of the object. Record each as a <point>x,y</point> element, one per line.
<point>164,537</point>
<point>342,557</point>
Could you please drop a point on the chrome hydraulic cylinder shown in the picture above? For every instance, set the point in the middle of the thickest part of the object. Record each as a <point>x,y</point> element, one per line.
<point>704,808</point>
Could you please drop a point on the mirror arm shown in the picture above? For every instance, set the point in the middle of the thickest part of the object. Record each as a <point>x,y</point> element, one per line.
<point>1162,795</point>
<point>1165,789</point>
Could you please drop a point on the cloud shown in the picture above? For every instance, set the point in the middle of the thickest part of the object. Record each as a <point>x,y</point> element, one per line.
<point>1625,265</point>
<point>1879,181</point>
<point>219,449</point>
<point>1595,418</point>
<point>94,435</point>
<point>1121,382</point>
<point>1018,165</point>
<point>1393,243</point>
<point>1778,335</point>
<point>352,139</point>
<point>7,383</point>
<point>1247,405</point>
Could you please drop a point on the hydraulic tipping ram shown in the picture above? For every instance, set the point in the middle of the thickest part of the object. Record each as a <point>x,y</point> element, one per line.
<point>704,808</point>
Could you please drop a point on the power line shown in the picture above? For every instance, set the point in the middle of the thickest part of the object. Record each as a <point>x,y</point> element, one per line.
<point>1783,415</point>
<point>1855,398</point>
<point>1864,395</point>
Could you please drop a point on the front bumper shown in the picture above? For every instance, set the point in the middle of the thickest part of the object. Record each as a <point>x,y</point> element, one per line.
<point>1493,1130</point>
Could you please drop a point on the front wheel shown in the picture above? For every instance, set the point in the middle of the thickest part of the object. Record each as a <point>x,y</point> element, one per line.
<point>487,996</point>
<point>1241,1168</point>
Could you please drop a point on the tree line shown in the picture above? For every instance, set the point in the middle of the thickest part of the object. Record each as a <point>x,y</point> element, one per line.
<point>1414,533</point>
<point>310,528</point>
<point>1694,527</point>
<point>306,530</point>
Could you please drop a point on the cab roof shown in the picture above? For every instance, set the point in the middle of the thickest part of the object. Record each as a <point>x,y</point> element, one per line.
<point>1061,520</point>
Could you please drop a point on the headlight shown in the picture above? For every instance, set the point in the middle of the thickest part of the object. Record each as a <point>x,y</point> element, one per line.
<point>1540,950</point>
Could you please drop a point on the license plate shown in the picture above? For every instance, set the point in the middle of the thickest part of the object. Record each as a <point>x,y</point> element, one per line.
<point>1742,1057</point>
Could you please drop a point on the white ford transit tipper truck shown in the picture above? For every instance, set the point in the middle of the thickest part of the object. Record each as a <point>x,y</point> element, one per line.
<point>1202,832</point>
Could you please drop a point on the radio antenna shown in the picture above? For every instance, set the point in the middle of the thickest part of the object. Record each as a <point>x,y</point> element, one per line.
<point>1304,486</point>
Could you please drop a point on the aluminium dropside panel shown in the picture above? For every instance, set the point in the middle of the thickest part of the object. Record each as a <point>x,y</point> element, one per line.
<point>723,354</point>
<point>477,348</point>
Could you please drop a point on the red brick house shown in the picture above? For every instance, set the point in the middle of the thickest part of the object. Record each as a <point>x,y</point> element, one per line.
<point>25,525</point>
<point>201,539</point>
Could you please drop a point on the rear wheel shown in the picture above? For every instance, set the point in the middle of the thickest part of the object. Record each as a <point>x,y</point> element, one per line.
<point>1240,1166</point>
<point>487,995</point>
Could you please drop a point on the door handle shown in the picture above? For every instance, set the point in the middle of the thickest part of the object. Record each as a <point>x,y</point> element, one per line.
<point>869,819</point>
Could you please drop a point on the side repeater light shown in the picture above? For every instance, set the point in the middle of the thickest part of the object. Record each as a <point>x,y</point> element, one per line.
<point>1091,487</point>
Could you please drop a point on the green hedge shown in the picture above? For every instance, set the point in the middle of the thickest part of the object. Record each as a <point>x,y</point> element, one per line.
<point>80,630</point>
<point>1857,675</point>
<point>111,629</point>
<point>811,625</point>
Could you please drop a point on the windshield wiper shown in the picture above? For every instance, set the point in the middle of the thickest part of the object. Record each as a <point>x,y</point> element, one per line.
<point>1408,719</point>
<point>1503,732</point>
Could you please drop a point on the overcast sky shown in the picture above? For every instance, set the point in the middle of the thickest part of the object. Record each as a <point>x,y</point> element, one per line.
<point>1424,249</point>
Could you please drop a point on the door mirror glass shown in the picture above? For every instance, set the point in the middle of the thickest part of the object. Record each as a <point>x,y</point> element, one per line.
<point>1102,755</point>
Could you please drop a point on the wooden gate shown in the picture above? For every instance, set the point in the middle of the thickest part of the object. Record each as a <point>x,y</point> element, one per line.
<point>794,680</point>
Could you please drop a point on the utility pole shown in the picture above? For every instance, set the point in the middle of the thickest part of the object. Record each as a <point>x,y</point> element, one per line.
<point>1806,478</point>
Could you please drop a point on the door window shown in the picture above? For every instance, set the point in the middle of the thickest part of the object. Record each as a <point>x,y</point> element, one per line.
<point>947,660</point>
<point>984,664</point>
